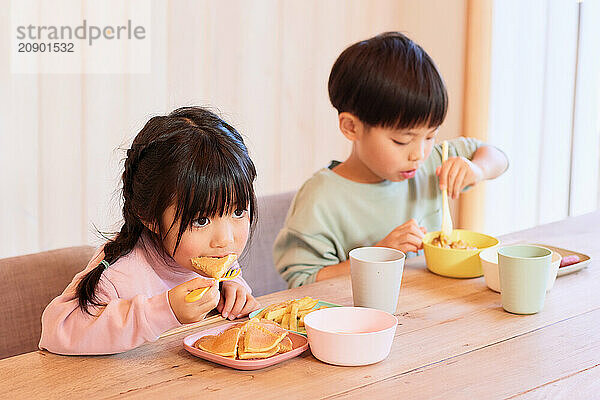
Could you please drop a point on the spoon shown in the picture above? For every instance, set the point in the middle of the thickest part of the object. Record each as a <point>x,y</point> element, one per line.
<point>196,294</point>
<point>446,217</point>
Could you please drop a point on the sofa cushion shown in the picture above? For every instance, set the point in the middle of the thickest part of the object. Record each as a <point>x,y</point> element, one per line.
<point>257,259</point>
<point>27,284</point>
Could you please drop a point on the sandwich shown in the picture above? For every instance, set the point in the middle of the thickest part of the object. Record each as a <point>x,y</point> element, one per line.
<point>254,339</point>
<point>214,267</point>
<point>225,344</point>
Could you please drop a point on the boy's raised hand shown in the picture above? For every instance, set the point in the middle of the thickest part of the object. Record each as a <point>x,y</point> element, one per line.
<point>187,313</point>
<point>235,301</point>
<point>456,174</point>
<point>406,237</point>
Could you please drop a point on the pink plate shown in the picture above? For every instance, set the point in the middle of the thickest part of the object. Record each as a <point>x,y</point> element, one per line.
<point>299,345</point>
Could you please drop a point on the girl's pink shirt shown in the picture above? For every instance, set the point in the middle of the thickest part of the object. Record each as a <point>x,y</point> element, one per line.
<point>137,309</point>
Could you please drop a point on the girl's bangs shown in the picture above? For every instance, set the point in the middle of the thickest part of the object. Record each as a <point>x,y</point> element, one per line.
<point>216,185</point>
<point>224,193</point>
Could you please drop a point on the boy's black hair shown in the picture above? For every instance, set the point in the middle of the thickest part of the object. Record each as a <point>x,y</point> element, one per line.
<point>389,81</point>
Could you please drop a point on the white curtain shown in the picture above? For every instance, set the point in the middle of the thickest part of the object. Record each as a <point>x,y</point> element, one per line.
<point>544,112</point>
<point>264,64</point>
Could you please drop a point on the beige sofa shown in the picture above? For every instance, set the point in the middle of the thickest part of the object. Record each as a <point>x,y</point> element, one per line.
<point>28,283</point>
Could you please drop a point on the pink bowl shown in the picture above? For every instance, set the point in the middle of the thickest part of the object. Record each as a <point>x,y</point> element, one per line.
<point>350,336</point>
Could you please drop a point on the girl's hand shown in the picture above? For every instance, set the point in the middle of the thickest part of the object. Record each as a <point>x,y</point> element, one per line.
<point>456,174</point>
<point>187,313</point>
<point>407,237</point>
<point>235,301</point>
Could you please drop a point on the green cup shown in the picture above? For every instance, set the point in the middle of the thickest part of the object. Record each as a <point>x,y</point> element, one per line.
<point>524,272</point>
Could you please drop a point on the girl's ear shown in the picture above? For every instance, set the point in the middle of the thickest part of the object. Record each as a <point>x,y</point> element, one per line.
<point>351,126</point>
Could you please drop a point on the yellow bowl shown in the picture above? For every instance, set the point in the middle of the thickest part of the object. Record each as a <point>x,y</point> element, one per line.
<point>456,263</point>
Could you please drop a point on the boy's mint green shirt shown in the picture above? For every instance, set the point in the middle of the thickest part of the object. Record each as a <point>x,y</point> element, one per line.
<point>331,215</point>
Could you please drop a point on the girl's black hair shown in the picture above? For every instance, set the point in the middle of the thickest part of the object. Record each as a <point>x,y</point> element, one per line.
<point>190,158</point>
<point>389,81</point>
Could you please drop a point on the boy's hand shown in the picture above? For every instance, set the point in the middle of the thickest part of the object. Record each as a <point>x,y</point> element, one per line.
<point>187,313</point>
<point>456,174</point>
<point>407,237</point>
<point>235,301</point>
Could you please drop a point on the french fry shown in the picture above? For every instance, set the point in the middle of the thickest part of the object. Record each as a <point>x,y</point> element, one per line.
<point>285,322</point>
<point>306,303</point>
<point>290,314</point>
<point>264,312</point>
<point>302,313</point>
<point>275,314</point>
<point>303,302</point>
<point>294,316</point>
<point>301,321</point>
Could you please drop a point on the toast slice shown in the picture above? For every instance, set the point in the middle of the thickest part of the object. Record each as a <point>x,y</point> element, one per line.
<point>254,339</point>
<point>214,267</point>
<point>224,344</point>
<point>286,345</point>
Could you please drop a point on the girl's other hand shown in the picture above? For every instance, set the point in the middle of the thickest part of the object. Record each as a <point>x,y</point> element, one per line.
<point>406,237</point>
<point>456,174</point>
<point>187,313</point>
<point>235,301</point>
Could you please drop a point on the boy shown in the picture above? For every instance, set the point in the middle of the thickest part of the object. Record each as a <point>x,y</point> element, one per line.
<point>390,100</point>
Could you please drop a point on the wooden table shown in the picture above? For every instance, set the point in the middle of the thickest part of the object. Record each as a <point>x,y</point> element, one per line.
<point>454,341</point>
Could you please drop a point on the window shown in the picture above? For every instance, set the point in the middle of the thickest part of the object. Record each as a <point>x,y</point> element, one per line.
<point>544,112</point>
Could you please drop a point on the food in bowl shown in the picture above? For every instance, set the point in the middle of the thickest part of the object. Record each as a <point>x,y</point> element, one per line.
<point>254,339</point>
<point>457,263</point>
<point>350,336</point>
<point>290,314</point>
<point>443,241</point>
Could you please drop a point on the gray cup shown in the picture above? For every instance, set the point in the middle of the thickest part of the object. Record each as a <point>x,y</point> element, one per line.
<point>376,276</point>
<point>524,273</point>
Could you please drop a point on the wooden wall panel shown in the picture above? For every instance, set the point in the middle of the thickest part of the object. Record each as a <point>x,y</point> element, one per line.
<point>263,64</point>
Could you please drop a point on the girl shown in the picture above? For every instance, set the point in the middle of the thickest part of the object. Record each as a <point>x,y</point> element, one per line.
<point>188,192</point>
